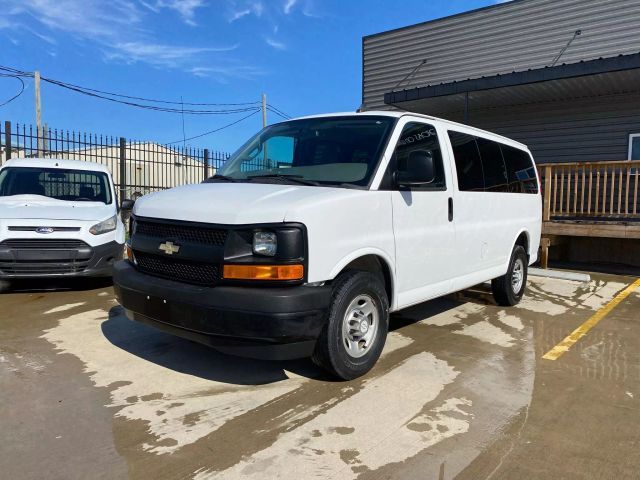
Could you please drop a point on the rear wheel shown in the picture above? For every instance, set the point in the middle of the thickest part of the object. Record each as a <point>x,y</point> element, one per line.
<point>356,330</point>
<point>509,288</point>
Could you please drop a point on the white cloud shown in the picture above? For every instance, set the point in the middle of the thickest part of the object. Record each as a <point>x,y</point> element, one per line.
<point>247,8</point>
<point>120,29</point>
<point>289,4</point>
<point>275,43</point>
<point>186,8</point>
<point>158,54</point>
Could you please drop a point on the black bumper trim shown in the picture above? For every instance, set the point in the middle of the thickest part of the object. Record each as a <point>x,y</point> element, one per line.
<point>94,261</point>
<point>226,317</point>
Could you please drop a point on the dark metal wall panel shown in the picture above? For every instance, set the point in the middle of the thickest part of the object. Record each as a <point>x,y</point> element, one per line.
<point>572,131</point>
<point>512,36</point>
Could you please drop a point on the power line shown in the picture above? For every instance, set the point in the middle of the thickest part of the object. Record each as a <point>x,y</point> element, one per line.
<point>215,130</point>
<point>278,112</point>
<point>17,94</point>
<point>152,100</point>
<point>149,107</point>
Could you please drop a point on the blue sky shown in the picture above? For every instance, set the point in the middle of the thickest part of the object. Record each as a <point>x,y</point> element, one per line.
<point>305,54</point>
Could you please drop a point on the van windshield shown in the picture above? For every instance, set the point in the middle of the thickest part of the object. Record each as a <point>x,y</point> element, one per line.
<point>343,151</point>
<point>58,183</point>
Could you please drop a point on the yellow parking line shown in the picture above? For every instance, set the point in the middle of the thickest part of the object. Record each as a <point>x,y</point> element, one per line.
<point>557,351</point>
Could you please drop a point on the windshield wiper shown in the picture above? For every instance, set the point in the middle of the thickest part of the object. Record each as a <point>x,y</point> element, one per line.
<point>223,178</point>
<point>282,176</point>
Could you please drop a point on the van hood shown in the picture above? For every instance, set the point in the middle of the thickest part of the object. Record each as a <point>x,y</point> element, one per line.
<point>232,203</point>
<point>40,207</point>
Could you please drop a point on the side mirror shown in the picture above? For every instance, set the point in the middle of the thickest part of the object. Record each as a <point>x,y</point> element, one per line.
<point>417,169</point>
<point>127,204</point>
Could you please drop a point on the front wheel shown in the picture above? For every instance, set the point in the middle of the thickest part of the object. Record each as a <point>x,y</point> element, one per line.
<point>509,288</point>
<point>356,330</point>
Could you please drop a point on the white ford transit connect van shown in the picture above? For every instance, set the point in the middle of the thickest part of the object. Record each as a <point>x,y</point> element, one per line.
<point>58,218</point>
<point>317,228</point>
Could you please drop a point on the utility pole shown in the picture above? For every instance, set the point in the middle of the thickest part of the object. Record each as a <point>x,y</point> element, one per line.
<point>40,133</point>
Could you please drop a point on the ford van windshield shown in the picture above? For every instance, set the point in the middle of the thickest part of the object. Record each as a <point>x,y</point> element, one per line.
<point>338,151</point>
<point>57,183</point>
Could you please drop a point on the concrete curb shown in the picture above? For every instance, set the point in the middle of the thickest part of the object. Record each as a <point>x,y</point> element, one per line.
<point>578,277</point>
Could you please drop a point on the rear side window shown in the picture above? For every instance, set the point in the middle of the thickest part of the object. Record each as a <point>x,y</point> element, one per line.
<point>495,171</point>
<point>520,170</point>
<point>468,162</point>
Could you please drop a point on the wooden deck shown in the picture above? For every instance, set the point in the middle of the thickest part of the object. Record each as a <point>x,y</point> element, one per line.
<point>589,199</point>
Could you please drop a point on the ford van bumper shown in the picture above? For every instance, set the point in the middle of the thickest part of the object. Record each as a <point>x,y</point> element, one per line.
<point>32,258</point>
<point>260,322</point>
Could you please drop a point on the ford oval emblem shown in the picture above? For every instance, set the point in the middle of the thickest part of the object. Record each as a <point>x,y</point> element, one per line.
<point>44,230</point>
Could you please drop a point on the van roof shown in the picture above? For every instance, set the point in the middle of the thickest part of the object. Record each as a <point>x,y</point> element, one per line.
<point>399,114</point>
<point>56,163</point>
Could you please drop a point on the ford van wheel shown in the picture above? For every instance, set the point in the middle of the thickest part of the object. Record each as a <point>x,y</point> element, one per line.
<point>357,325</point>
<point>509,289</point>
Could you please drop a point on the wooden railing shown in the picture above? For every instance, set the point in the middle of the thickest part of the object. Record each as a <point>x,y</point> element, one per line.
<point>591,190</point>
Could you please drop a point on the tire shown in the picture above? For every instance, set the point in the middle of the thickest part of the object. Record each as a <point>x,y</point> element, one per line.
<point>346,347</point>
<point>5,286</point>
<point>509,288</point>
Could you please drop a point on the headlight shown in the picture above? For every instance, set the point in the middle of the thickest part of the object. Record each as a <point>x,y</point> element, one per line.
<point>265,243</point>
<point>107,226</point>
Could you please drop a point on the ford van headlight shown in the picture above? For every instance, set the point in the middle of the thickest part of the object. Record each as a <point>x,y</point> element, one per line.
<point>265,243</point>
<point>107,226</point>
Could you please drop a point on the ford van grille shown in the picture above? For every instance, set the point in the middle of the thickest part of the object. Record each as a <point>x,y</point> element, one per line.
<point>180,270</point>
<point>183,233</point>
<point>44,256</point>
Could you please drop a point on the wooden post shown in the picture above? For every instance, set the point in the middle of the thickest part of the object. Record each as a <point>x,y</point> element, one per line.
<point>544,256</point>
<point>546,213</point>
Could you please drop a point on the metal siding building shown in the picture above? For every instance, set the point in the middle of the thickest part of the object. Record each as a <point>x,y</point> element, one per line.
<point>494,68</point>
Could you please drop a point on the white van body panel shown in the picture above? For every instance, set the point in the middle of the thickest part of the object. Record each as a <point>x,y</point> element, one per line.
<point>41,211</point>
<point>428,255</point>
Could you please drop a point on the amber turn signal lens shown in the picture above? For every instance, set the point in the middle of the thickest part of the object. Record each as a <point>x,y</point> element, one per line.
<point>129,253</point>
<point>263,272</point>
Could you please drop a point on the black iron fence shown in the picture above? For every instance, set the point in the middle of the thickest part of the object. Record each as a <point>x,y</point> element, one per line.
<point>137,167</point>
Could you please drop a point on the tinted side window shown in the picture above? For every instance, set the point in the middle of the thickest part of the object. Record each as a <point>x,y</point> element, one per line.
<point>495,171</point>
<point>468,162</point>
<point>520,170</point>
<point>417,136</point>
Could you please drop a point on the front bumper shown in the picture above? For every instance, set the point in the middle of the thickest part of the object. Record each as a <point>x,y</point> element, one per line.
<point>81,261</point>
<point>259,322</point>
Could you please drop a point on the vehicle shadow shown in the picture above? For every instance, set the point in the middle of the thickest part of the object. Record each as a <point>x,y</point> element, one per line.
<point>192,358</point>
<point>205,362</point>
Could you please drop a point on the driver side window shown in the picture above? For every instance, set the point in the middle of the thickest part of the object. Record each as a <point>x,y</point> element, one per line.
<point>415,137</point>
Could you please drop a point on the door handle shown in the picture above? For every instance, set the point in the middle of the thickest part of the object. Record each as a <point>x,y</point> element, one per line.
<point>450,209</point>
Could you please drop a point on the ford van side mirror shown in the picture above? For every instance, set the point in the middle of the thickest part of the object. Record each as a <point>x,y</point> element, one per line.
<point>417,169</point>
<point>127,204</point>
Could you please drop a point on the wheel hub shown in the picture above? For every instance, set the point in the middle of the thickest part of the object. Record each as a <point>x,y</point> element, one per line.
<point>517,276</point>
<point>359,326</point>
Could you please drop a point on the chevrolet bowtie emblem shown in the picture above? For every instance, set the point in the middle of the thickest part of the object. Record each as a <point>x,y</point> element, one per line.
<point>169,248</point>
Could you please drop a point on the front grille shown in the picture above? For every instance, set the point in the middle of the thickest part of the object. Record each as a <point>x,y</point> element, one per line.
<point>43,256</point>
<point>184,233</point>
<point>184,271</point>
<point>44,243</point>
<point>42,268</point>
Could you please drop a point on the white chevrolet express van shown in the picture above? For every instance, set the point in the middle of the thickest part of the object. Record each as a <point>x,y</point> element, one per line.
<point>58,218</point>
<point>317,228</point>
